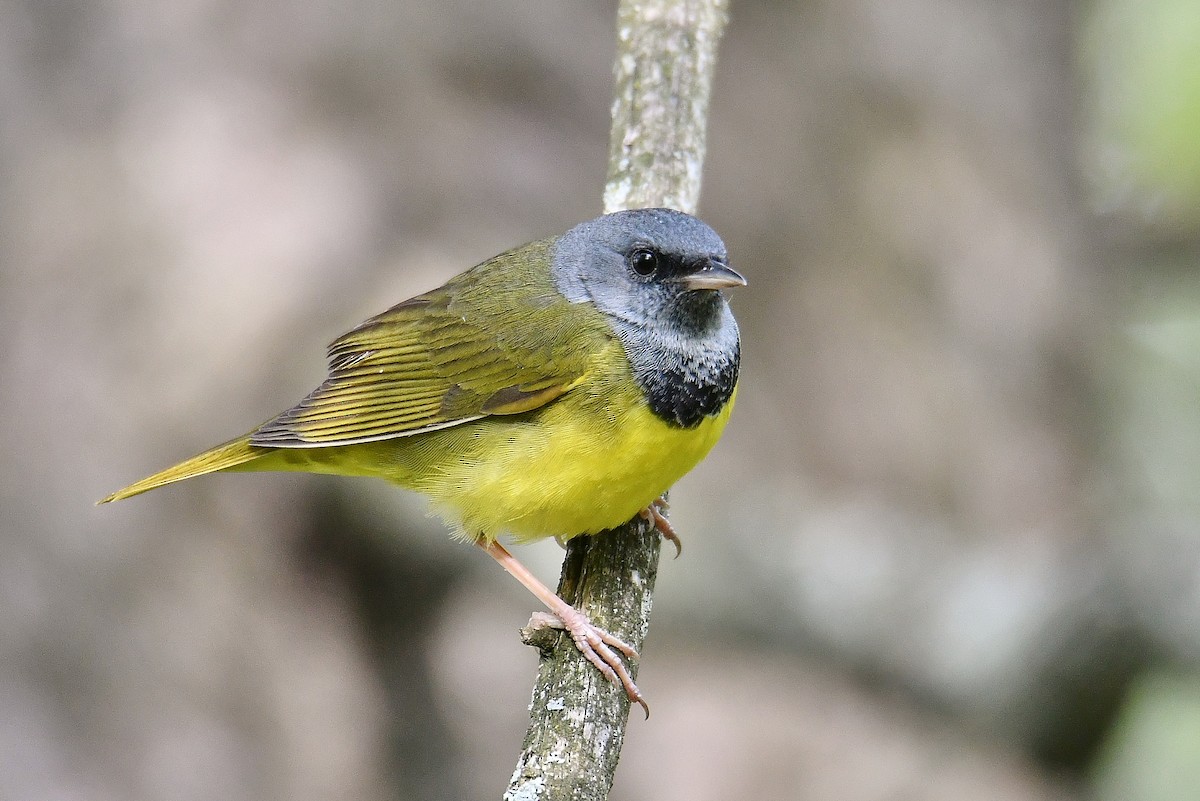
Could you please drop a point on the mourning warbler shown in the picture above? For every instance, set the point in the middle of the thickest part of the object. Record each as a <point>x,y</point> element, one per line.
<point>554,390</point>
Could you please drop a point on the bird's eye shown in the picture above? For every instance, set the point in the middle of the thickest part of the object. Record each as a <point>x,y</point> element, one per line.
<point>643,261</point>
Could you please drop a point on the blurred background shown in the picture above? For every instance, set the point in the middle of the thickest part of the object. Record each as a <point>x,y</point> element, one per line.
<point>948,548</point>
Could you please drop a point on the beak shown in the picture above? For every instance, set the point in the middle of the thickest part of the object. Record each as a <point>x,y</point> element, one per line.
<point>712,275</point>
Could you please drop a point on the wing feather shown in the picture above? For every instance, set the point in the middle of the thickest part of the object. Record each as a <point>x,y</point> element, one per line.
<point>488,342</point>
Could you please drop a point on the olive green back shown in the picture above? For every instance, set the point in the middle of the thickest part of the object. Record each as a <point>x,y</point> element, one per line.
<point>497,339</point>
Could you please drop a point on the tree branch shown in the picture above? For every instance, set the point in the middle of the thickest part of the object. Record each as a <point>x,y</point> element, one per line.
<point>666,54</point>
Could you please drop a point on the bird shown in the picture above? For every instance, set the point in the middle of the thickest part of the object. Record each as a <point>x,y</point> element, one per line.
<point>555,390</point>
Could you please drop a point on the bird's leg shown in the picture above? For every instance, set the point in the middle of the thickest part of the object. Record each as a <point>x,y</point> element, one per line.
<point>654,513</point>
<point>593,642</point>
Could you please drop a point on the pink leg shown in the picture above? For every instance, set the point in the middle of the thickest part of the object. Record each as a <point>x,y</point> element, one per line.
<point>654,513</point>
<point>593,642</point>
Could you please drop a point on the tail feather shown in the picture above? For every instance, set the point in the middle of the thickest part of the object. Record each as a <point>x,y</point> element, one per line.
<point>231,454</point>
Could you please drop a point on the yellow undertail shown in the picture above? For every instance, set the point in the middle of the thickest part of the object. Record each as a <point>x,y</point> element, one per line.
<point>231,454</point>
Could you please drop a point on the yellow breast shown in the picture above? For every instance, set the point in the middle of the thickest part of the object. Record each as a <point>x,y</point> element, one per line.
<point>589,461</point>
<point>570,474</point>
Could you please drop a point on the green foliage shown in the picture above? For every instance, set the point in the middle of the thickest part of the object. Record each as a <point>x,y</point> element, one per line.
<point>1142,59</point>
<point>1154,751</point>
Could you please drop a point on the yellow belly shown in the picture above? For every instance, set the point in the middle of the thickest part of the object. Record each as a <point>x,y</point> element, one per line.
<point>565,477</point>
<point>576,466</point>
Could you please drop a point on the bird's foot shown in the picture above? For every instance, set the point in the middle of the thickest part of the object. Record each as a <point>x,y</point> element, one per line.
<point>655,513</point>
<point>597,646</point>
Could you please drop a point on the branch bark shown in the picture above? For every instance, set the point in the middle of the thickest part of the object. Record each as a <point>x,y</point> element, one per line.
<point>666,54</point>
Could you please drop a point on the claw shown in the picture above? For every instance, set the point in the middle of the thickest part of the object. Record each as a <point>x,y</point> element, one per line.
<point>654,514</point>
<point>593,642</point>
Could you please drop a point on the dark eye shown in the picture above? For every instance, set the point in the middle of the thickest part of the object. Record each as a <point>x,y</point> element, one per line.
<point>643,261</point>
